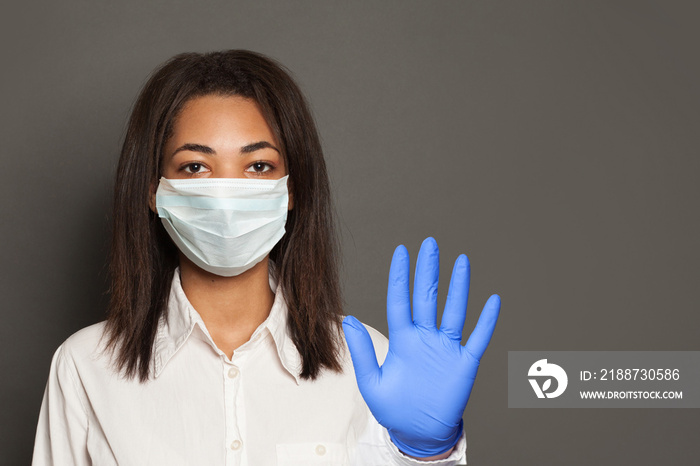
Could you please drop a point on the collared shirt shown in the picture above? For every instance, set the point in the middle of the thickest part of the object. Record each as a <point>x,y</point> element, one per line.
<point>202,408</point>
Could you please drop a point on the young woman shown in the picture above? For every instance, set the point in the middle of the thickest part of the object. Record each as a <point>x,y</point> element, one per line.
<point>224,342</point>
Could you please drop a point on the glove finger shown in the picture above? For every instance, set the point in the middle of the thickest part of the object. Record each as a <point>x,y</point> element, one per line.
<point>398,297</point>
<point>364,359</point>
<point>481,336</point>
<point>425,285</point>
<point>457,297</point>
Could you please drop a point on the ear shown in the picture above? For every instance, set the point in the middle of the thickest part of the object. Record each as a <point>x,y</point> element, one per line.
<point>290,195</point>
<point>152,197</point>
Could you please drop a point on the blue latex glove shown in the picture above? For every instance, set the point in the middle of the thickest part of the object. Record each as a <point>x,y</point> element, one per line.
<point>420,392</point>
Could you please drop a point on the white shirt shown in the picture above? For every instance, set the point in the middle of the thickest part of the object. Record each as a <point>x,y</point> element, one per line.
<point>202,408</point>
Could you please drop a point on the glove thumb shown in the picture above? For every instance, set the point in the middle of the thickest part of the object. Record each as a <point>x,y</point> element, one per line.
<point>364,359</point>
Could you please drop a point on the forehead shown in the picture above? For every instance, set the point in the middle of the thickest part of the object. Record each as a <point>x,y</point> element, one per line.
<point>217,117</point>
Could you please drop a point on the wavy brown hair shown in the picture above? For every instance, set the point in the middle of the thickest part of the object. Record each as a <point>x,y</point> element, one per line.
<point>143,258</point>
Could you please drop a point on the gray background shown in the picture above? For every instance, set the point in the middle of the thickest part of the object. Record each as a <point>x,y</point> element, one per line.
<point>556,143</point>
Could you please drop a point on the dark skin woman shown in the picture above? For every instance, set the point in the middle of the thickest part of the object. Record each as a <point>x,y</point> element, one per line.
<point>225,341</point>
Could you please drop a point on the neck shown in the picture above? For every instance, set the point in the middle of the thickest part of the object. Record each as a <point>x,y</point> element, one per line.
<point>231,307</point>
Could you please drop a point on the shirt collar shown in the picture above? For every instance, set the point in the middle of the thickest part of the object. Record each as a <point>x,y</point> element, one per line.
<point>180,319</point>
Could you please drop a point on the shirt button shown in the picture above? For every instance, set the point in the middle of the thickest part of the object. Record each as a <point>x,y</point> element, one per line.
<point>233,373</point>
<point>320,450</point>
<point>236,444</point>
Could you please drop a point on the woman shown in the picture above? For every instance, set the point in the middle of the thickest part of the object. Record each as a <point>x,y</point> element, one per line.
<point>223,342</point>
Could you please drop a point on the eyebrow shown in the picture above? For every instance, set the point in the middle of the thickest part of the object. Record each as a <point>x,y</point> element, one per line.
<point>257,146</point>
<point>247,149</point>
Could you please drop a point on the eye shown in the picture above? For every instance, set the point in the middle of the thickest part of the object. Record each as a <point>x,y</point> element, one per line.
<point>194,168</point>
<point>259,168</point>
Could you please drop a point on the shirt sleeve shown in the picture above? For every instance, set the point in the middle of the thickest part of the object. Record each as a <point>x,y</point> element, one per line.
<point>375,448</point>
<point>61,436</point>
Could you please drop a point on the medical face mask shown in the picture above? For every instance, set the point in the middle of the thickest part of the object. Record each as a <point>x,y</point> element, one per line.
<point>224,225</point>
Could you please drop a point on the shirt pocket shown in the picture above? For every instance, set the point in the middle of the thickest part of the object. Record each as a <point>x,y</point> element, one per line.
<point>311,454</point>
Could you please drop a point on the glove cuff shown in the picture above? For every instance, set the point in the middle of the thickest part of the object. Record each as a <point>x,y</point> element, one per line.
<point>428,447</point>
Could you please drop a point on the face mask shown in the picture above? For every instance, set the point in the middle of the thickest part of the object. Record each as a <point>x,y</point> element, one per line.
<point>224,225</point>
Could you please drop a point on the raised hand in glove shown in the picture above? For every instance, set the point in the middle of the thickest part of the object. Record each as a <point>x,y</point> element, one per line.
<point>420,392</point>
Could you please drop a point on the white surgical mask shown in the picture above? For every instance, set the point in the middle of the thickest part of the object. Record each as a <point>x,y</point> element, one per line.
<point>224,225</point>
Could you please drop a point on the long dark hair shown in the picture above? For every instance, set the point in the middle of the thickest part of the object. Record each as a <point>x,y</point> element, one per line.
<point>143,258</point>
